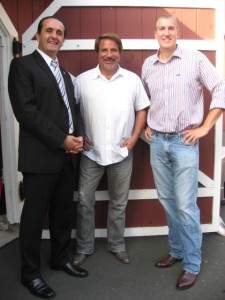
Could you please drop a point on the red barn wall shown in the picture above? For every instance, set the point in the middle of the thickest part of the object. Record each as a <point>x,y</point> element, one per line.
<point>132,23</point>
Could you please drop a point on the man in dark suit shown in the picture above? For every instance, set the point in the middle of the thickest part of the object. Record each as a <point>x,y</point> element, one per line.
<point>50,128</point>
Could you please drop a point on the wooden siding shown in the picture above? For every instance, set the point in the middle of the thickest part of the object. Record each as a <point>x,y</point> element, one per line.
<point>133,23</point>
<point>24,12</point>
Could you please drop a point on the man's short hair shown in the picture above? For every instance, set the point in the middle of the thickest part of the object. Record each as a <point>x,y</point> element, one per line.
<point>40,25</point>
<point>167,16</point>
<point>109,36</point>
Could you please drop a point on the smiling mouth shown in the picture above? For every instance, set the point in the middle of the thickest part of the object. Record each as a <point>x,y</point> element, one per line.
<point>53,42</point>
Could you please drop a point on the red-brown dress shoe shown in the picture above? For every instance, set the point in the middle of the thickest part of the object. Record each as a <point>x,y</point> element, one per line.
<point>167,261</point>
<point>186,280</point>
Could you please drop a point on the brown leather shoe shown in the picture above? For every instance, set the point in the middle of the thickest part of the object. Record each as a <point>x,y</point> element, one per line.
<point>122,256</point>
<point>186,280</point>
<point>79,258</point>
<point>167,261</point>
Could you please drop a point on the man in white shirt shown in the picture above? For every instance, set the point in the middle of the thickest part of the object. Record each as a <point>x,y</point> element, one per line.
<point>113,105</point>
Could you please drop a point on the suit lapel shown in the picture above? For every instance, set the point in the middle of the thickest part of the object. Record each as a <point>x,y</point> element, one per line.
<point>41,62</point>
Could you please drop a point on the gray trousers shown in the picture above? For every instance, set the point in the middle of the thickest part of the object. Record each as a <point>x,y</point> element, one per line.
<point>119,175</point>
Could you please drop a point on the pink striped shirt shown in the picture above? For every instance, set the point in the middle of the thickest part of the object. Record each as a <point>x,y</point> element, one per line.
<point>175,90</point>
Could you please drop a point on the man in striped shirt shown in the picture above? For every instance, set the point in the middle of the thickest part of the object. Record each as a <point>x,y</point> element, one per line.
<point>174,80</point>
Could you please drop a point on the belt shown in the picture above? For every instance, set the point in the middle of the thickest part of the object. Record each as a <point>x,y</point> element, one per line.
<point>166,134</point>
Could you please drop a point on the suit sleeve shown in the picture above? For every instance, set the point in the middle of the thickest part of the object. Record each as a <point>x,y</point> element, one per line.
<point>23,98</point>
<point>79,122</point>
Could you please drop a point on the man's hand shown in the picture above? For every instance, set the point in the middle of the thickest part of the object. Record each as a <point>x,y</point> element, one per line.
<point>192,135</point>
<point>148,133</point>
<point>140,121</point>
<point>129,143</point>
<point>73,144</point>
<point>87,144</point>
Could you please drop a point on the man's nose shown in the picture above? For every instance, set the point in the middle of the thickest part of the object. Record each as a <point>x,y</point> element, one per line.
<point>53,34</point>
<point>109,53</point>
<point>166,32</point>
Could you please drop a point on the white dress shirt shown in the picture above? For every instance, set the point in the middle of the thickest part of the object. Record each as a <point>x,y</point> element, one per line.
<point>108,110</point>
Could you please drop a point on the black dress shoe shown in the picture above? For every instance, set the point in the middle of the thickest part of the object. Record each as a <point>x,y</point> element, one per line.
<point>39,288</point>
<point>71,270</point>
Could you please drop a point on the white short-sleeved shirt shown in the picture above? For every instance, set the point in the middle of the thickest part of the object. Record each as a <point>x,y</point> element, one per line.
<point>108,110</point>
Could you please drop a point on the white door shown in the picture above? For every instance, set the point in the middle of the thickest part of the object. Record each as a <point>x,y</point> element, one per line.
<point>8,125</point>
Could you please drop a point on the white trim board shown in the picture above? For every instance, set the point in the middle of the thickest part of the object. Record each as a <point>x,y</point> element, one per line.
<point>139,3</point>
<point>128,44</point>
<point>146,194</point>
<point>138,231</point>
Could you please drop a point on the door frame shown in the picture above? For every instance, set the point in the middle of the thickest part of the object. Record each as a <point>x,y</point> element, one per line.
<point>8,124</point>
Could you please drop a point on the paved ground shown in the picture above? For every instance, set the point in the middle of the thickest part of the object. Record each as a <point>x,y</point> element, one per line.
<point>111,280</point>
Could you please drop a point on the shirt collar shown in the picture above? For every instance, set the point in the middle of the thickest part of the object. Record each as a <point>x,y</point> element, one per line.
<point>47,58</point>
<point>177,53</point>
<point>97,73</point>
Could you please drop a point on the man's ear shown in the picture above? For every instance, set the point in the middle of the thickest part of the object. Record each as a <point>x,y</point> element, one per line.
<point>37,36</point>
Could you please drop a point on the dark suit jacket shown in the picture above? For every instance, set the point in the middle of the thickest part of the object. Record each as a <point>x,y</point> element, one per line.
<point>40,110</point>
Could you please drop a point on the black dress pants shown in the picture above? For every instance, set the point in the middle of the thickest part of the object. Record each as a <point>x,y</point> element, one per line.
<point>52,192</point>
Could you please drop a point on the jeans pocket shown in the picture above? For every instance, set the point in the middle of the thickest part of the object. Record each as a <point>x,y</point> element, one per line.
<point>152,138</point>
<point>188,144</point>
<point>181,137</point>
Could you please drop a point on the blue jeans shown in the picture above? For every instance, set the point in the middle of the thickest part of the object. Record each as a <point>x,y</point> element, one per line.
<point>119,175</point>
<point>175,169</point>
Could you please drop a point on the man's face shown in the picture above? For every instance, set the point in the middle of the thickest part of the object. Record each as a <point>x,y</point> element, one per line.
<point>51,37</point>
<point>108,57</point>
<point>167,33</point>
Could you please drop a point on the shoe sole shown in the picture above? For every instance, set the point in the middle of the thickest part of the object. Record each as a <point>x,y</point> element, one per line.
<point>185,288</point>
